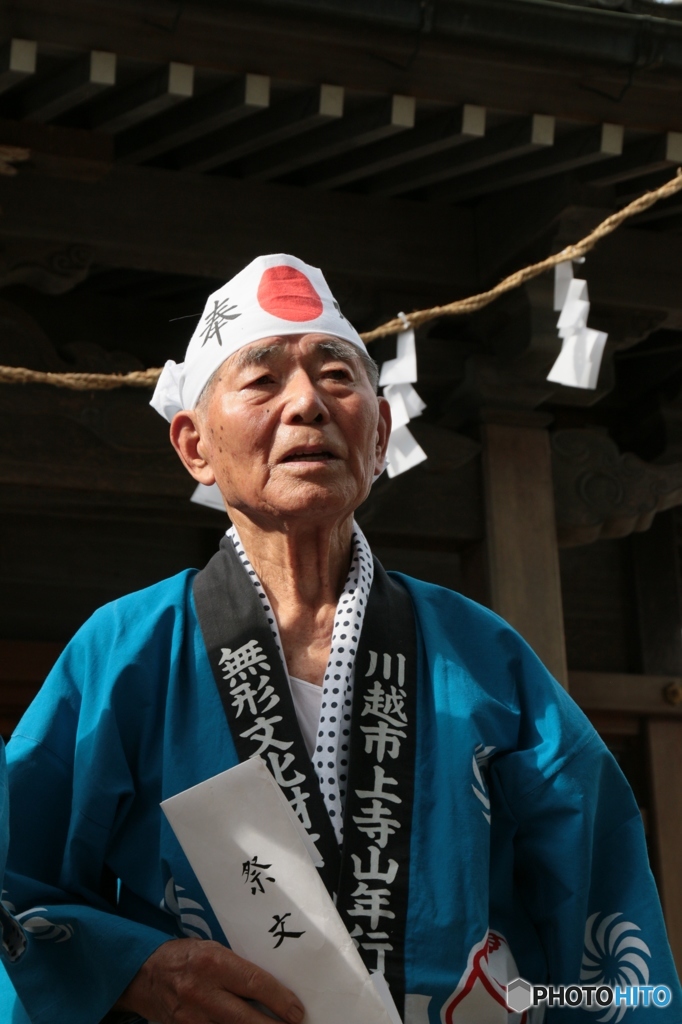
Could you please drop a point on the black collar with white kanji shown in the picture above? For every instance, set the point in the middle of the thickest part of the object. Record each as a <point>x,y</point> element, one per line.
<point>369,876</point>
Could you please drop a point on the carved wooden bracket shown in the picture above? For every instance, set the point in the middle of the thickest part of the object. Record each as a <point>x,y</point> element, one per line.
<point>600,492</point>
<point>49,268</point>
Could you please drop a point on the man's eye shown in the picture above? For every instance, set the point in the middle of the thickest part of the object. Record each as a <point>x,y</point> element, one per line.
<point>265,378</point>
<point>337,373</point>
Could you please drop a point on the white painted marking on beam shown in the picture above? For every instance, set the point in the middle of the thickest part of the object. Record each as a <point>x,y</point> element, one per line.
<point>257,91</point>
<point>473,120</point>
<point>542,132</point>
<point>331,100</point>
<point>612,139</point>
<point>102,67</point>
<point>673,147</point>
<point>403,110</point>
<point>22,56</point>
<point>180,79</point>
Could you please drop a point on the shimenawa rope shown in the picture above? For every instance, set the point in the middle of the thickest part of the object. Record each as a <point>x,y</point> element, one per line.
<point>148,378</point>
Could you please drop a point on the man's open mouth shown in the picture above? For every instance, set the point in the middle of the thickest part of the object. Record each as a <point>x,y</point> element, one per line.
<point>308,456</point>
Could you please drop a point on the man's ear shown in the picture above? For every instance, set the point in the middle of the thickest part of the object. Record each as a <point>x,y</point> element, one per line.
<point>383,434</point>
<point>186,438</point>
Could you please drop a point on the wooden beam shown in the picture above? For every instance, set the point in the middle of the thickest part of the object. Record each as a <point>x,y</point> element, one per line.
<point>297,46</point>
<point>146,98</point>
<point>576,149</point>
<point>80,81</point>
<point>17,62</point>
<point>14,699</point>
<point>436,135</point>
<point>118,457</point>
<point>247,95</point>
<point>438,505</point>
<point>27,661</point>
<point>669,209</point>
<point>515,227</point>
<point>609,723</point>
<point>642,157</point>
<point>665,209</point>
<point>377,120</point>
<point>506,141</point>
<point>626,694</point>
<point>523,554</point>
<point>665,765</point>
<point>24,665</point>
<point>288,119</point>
<point>64,152</point>
<point>637,269</point>
<point>150,219</point>
<point>23,501</point>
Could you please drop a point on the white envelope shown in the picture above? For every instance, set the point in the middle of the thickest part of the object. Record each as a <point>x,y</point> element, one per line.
<point>245,847</point>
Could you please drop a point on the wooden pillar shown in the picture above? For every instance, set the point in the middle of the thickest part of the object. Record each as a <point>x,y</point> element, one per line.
<point>659,601</point>
<point>665,763</point>
<point>523,556</point>
<point>659,596</point>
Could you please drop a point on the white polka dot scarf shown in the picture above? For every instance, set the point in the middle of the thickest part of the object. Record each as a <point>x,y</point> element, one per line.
<point>333,739</point>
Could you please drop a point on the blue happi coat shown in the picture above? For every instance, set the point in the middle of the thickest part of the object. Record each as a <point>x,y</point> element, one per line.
<point>527,852</point>
<point>12,938</point>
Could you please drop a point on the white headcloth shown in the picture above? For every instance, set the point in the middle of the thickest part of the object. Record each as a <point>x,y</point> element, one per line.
<point>274,296</point>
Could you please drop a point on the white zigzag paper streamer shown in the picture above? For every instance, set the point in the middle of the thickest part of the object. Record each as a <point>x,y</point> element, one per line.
<point>397,377</point>
<point>208,495</point>
<point>582,348</point>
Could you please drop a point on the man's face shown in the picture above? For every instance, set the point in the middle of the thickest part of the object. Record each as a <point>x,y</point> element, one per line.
<point>291,426</point>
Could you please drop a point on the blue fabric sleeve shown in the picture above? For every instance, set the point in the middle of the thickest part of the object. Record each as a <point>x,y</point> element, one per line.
<point>81,954</point>
<point>570,882</point>
<point>12,936</point>
<point>580,856</point>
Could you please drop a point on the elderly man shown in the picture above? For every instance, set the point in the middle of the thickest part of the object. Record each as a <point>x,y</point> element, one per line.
<point>472,825</point>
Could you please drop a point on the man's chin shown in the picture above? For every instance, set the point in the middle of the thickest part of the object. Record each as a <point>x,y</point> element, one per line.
<point>315,497</point>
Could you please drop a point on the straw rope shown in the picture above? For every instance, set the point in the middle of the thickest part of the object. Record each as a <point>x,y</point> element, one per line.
<point>515,280</point>
<point>81,381</point>
<point>148,378</point>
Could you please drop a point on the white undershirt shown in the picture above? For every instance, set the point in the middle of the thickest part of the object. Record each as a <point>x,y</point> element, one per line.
<point>307,700</point>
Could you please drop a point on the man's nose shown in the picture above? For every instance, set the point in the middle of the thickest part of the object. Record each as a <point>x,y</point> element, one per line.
<point>304,403</point>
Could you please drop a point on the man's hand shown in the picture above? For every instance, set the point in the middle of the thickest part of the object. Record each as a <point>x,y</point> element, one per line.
<point>191,981</point>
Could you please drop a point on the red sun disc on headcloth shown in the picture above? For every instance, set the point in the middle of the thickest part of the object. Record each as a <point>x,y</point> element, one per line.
<point>287,293</point>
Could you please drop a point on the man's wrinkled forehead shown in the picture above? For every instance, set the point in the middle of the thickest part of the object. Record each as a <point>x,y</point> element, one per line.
<point>259,352</point>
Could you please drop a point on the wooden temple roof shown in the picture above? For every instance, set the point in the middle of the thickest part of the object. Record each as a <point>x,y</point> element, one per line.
<point>416,151</point>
